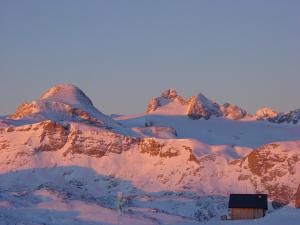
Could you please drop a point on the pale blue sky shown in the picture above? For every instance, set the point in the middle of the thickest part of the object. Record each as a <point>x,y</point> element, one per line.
<point>122,53</point>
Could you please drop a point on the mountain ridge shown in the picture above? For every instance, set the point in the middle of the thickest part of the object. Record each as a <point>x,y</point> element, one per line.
<point>159,152</point>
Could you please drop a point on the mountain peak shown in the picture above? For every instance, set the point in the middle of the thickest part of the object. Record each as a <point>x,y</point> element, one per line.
<point>68,94</point>
<point>200,106</point>
<point>265,113</point>
<point>169,102</point>
<point>64,102</point>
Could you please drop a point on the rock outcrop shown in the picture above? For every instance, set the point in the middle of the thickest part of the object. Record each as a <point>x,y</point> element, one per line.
<point>165,98</point>
<point>265,114</point>
<point>271,167</point>
<point>232,112</point>
<point>54,136</point>
<point>201,107</point>
<point>98,143</point>
<point>153,105</point>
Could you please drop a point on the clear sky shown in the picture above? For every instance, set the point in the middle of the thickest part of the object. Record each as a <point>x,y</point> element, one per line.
<point>123,53</point>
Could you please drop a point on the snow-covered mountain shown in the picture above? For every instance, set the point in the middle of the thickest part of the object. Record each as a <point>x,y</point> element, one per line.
<point>63,102</point>
<point>168,103</point>
<point>60,154</point>
<point>196,107</point>
<point>199,106</point>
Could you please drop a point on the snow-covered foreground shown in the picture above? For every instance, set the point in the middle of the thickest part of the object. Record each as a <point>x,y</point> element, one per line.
<point>74,195</point>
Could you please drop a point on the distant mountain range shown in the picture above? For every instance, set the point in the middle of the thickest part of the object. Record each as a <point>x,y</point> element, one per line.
<point>199,106</point>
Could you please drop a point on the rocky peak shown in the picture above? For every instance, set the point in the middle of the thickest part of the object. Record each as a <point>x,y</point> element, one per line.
<point>201,107</point>
<point>232,111</point>
<point>265,113</point>
<point>166,97</point>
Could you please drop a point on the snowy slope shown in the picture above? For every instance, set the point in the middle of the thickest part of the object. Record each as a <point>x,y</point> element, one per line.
<point>150,172</point>
<point>217,131</point>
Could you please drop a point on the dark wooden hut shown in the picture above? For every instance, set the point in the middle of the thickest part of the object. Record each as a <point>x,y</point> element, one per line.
<point>247,206</point>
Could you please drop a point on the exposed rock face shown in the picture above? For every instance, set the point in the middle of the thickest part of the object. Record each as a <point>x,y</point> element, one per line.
<point>271,167</point>
<point>297,198</point>
<point>98,143</point>
<point>201,107</point>
<point>265,114</point>
<point>23,110</point>
<point>154,148</point>
<point>262,160</point>
<point>232,111</point>
<point>53,137</point>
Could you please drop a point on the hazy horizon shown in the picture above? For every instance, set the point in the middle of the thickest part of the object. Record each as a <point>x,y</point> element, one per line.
<point>121,55</point>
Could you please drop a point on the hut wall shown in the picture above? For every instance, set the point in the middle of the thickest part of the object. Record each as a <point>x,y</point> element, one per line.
<point>246,213</point>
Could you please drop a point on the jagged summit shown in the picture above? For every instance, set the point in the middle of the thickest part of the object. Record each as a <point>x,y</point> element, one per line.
<point>197,107</point>
<point>200,106</point>
<point>68,94</point>
<point>168,102</point>
<point>265,113</point>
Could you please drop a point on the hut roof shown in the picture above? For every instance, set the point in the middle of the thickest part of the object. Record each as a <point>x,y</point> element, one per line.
<point>255,201</point>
